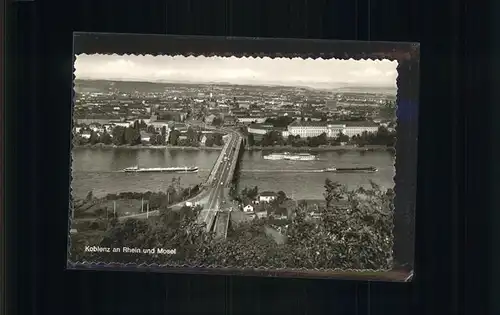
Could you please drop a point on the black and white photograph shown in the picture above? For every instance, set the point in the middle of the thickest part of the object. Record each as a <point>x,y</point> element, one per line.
<point>285,165</point>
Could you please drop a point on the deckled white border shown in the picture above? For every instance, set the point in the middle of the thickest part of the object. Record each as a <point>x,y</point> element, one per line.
<point>215,268</point>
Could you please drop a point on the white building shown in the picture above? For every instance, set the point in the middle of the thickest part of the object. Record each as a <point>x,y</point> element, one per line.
<point>203,140</point>
<point>85,134</point>
<point>314,129</point>
<point>334,130</point>
<point>209,119</point>
<point>244,104</point>
<point>261,214</point>
<point>249,120</point>
<point>122,123</point>
<point>259,130</point>
<point>357,130</point>
<point>248,208</point>
<point>146,137</point>
<point>307,129</point>
<point>267,196</point>
<point>97,129</point>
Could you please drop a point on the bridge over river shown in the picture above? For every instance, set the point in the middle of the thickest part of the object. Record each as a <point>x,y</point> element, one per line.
<point>217,211</point>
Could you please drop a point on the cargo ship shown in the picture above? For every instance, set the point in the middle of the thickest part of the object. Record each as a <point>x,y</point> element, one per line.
<point>291,157</point>
<point>370,169</point>
<point>182,169</point>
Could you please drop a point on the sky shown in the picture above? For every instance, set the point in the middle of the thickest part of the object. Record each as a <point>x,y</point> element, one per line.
<point>317,73</point>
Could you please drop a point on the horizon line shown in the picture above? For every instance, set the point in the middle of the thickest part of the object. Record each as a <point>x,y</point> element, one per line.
<point>340,85</point>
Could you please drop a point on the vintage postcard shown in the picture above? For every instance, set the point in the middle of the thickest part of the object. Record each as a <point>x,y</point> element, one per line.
<point>244,156</point>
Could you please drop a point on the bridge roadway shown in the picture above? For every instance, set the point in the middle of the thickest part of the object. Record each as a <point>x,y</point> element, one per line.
<point>220,182</point>
<point>212,195</point>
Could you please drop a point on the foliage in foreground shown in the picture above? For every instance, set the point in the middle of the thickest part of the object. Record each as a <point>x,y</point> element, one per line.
<point>356,235</point>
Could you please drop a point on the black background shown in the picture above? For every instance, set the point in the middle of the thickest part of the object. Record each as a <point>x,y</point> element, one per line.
<point>455,142</point>
<point>407,84</point>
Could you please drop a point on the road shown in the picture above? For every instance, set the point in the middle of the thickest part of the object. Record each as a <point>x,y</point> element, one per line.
<point>220,181</point>
<point>212,196</point>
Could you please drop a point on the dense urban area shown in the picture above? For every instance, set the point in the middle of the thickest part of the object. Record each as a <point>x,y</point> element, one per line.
<point>269,116</point>
<point>349,229</point>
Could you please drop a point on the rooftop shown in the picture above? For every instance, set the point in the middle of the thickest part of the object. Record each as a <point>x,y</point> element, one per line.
<point>308,124</point>
<point>324,123</point>
<point>261,126</point>
<point>267,194</point>
<point>146,134</point>
<point>354,123</point>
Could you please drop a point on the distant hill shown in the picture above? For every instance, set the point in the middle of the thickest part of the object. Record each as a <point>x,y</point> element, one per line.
<point>367,89</point>
<point>130,86</point>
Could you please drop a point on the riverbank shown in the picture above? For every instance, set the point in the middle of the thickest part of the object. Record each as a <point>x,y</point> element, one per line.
<point>377,148</point>
<point>142,147</point>
<point>346,148</point>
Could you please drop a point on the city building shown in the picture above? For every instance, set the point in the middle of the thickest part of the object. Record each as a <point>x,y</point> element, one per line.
<point>261,214</point>
<point>158,125</point>
<point>353,128</point>
<point>249,120</point>
<point>259,129</point>
<point>243,104</point>
<point>209,119</point>
<point>203,140</point>
<point>331,129</point>
<point>145,137</point>
<point>230,121</point>
<point>121,123</point>
<point>85,134</point>
<point>248,208</point>
<point>307,129</point>
<point>267,196</point>
<point>357,130</point>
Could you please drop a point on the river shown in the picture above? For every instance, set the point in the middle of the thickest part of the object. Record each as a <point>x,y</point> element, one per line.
<point>98,170</point>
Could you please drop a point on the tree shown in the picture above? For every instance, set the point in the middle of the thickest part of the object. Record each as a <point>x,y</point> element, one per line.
<point>280,122</point>
<point>132,136</point>
<point>281,197</point>
<point>151,129</point>
<point>105,138</point>
<point>136,125</point>
<point>272,138</point>
<point>364,226</point>
<point>342,138</point>
<point>322,139</point>
<point>174,137</point>
<point>384,137</point>
<point>388,110</point>
<point>217,121</point>
<point>94,138</point>
<point>253,193</point>
<point>192,136</point>
<point>119,135</point>
<point>218,141</point>
<point>251,140</point>
<point>209,142</point>
<point>353,231</point>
